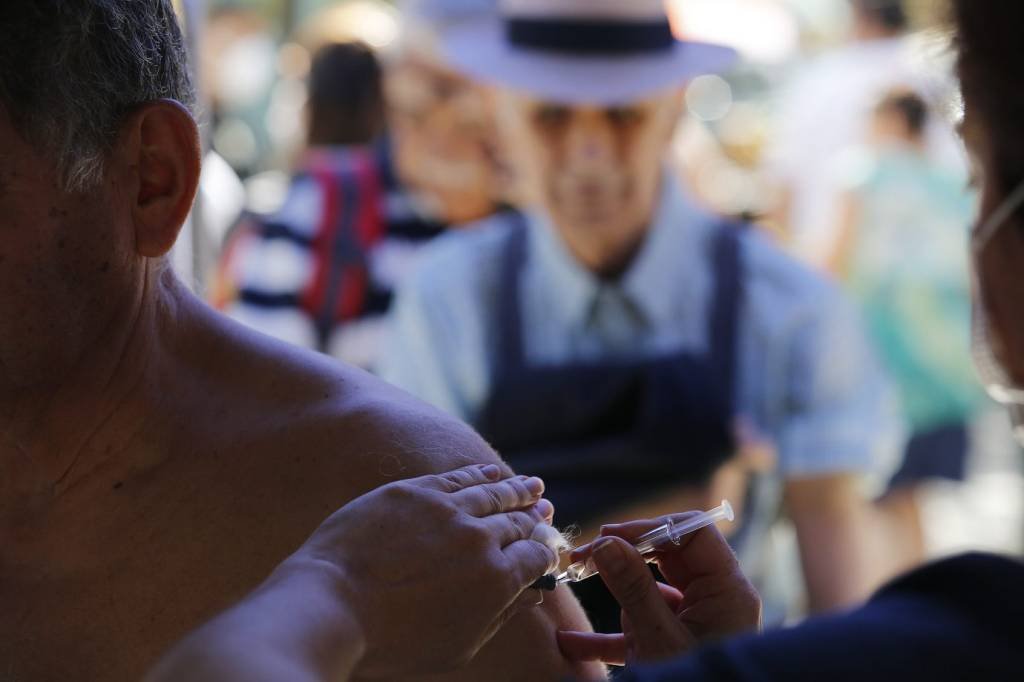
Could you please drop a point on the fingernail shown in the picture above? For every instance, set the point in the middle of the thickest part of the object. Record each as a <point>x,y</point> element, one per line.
<point>608,555</point>
<point>545,509</point>
<point>535,486</point>
<point>491,471</point>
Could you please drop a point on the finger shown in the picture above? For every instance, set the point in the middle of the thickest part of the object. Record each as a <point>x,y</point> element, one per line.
<point>630,581</point>
<point>698,555</point>
<point>502,496</point>
<point>458,479</point>
<point>628,531</point>
<point>673,598</point>
<point>529,560</point>
<point>581,647</point>
<point>705,552</point>
<point>512,526</point>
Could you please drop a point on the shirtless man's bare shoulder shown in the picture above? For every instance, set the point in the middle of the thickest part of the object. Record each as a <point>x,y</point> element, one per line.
<point>247,445</point>
<point>348,432</point>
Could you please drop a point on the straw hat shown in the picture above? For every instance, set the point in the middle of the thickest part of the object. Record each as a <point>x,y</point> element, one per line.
<point>580,51</point>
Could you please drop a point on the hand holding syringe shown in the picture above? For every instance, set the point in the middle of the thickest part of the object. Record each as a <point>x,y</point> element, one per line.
<point>648,543</point>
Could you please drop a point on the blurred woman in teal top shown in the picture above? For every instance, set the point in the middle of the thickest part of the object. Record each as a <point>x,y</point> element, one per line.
<point>901,254</point>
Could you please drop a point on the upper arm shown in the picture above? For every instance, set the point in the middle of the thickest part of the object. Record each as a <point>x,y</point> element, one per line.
<point>525,649</point>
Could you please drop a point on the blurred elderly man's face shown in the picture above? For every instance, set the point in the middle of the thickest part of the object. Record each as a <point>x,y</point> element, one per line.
<point>62,265</point>
<point>594,170</point>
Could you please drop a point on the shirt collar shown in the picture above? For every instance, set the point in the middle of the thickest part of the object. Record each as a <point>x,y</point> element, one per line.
<point>664,271</point>
<point>560,272</point>
<point>659,281</point>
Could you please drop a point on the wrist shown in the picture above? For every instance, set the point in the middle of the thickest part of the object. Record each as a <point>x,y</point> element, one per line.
<point>327,623</point>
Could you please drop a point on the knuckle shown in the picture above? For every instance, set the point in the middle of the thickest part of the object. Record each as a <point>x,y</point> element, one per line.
<point>499,572</point>
<point>494,500</point>
<point>523,524</point>
<point>452,481</point>
<point>478,537</point>
<point>543,556</point>
<point>399,491</point>
<point>518,489</point>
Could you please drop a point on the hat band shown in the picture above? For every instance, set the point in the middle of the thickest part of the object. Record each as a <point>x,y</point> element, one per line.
<point>589,37</point>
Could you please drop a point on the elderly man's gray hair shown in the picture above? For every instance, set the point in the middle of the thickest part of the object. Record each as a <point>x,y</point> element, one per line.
<point>71,69</point>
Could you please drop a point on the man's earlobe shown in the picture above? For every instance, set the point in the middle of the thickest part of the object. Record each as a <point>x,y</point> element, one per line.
<point>165,160</point>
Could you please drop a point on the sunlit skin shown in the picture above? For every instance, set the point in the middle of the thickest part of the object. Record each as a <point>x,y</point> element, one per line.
<point>595,170</point>
<point>157,461</point>
<point>443,139</point>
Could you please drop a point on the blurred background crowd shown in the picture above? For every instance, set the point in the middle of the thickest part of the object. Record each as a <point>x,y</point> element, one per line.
<point>340,143</point>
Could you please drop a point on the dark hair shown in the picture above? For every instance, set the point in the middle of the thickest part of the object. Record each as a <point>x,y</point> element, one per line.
<point>909,106</point>
<point>71,69</point>
<point>890,14</point>
<point>991,68</point>
<point>346,100</point>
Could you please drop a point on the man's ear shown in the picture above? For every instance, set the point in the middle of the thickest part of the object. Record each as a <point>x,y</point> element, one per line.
<point>163,160</point>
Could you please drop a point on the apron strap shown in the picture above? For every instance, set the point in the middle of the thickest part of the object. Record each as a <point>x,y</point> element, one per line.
<point>509,342</point>
<point>723,321</point>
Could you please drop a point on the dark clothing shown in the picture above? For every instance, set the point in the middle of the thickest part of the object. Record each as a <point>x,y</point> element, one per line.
<point>939,453</point>
<point>959,619</point>
<point>605,434</point>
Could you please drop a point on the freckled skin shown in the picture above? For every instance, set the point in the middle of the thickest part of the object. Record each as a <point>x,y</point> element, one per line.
<point>55,243</point>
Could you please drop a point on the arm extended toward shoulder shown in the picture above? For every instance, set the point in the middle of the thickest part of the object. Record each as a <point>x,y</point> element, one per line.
<point>443,572</point>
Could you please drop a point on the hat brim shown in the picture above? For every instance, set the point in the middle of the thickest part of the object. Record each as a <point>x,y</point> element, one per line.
<point>480,50</point>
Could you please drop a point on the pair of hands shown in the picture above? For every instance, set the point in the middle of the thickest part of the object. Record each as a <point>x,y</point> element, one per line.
<point>430,568</point>
<point>707,597</point>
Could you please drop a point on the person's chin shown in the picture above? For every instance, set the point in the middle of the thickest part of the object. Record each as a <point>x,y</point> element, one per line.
<point>590,211</point>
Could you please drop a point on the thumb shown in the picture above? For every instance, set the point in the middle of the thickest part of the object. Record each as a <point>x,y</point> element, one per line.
<point>655,630</point>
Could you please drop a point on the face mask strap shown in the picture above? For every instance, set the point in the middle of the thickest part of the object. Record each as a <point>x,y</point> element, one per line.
<point>999,217</point>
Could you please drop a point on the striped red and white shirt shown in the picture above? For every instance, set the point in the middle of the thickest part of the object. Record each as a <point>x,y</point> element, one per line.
<point>320,270</point>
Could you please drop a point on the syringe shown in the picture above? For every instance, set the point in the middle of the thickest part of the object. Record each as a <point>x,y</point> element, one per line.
<point>649,542</point>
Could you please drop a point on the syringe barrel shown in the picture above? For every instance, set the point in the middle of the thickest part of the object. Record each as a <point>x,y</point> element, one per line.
<point>670,531</point>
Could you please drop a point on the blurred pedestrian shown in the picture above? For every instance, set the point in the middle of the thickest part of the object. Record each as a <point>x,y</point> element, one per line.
<point>825,111</point>
<point>900,254</point>
<point>396,152</point>
<point>445,147</point>
<point>315,271</point>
